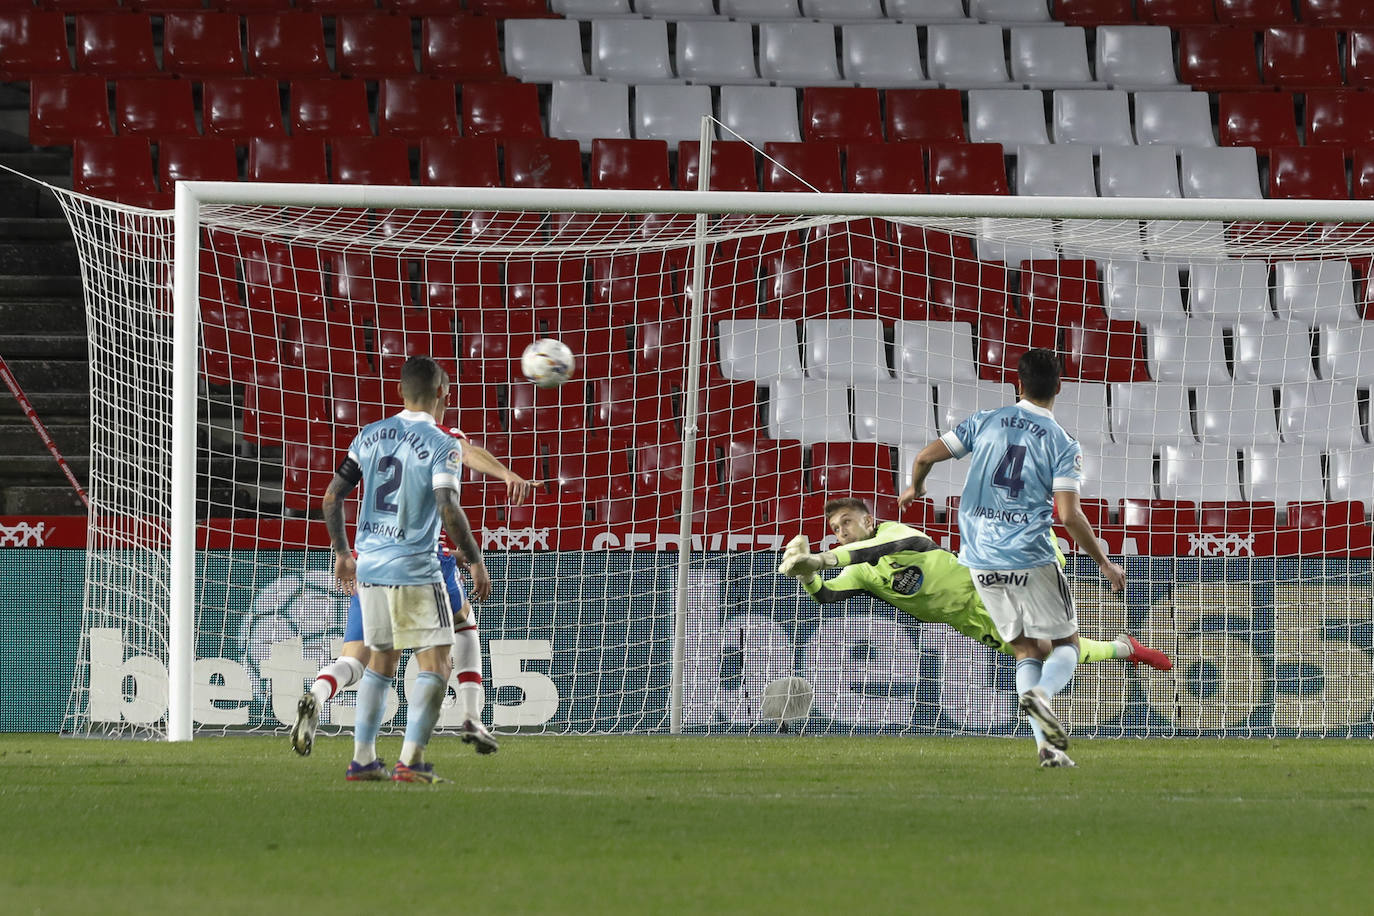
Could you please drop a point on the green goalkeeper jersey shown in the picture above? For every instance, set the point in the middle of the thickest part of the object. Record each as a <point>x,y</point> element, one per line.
<point>903,567</point>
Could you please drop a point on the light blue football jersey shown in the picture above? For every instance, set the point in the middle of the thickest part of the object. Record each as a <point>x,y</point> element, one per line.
<point>404,458</point>
<point>1021,455</point>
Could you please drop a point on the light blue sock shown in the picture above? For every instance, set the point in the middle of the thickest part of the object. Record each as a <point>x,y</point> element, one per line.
<point>1059,668</point>
<point>422,711</point>
<point>367,718</point>
<point>1028,676</point>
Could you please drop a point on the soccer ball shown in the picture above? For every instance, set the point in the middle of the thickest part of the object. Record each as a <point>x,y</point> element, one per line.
<point>547,362</point>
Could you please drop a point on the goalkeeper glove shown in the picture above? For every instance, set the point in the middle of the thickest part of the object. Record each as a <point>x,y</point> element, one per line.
<point>799,562</point>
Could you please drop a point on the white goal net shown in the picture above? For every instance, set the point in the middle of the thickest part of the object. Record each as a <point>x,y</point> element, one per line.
<point>1215,371</point>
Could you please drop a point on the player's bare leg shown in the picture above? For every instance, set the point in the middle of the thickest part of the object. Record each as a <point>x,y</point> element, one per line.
<point>343,672</point>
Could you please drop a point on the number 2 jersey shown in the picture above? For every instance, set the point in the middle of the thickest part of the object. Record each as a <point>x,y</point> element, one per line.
<point>1021,455</point>
<point>403,459</point>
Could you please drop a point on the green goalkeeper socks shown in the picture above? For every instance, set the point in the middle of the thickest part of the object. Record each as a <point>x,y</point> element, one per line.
<point>1095,650</point>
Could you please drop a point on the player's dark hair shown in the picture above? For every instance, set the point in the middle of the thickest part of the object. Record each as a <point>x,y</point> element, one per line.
<point>1038,371</point>
<point>845,502</point>
<point>421,376</point>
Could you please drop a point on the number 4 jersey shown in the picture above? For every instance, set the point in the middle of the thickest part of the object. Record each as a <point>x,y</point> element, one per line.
<point>402,459</point>
<point>1021,455</point>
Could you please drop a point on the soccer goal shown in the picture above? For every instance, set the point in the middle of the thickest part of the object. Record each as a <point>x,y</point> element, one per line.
<point>741,357</point>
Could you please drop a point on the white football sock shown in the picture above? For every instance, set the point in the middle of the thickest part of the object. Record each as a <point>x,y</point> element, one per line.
<point>467,661</point>
<point>342,673</point>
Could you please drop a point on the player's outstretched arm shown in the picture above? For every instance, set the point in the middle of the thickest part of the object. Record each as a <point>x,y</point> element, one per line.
<point>926,459</point>
<point>343,482</point>
<point>1070,510</point>
<point>484,462</point>
<point>459,531</point>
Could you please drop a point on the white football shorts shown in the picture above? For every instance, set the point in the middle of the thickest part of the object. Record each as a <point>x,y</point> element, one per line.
<point>1034,602</point>
<point>405,616</point>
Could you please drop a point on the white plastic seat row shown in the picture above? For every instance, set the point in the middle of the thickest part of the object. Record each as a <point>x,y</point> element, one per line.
<point>852,351</point>
<point>585,110</point>
<point>1309,292</point>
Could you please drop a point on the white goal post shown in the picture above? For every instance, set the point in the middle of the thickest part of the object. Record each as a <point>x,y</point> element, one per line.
<point>951,686</point>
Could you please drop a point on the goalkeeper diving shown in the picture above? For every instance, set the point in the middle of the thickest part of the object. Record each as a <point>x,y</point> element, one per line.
<point>901,566</point>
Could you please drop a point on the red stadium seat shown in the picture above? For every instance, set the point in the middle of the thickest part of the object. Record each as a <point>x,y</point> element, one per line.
<point>601,352</point>
<point>1094,12</point>
<point>1307,173</point>
<point>371,160</point>
<point>803,167</point>
<point>196,158</point>
<point>1341,13</point>
<point>117,168</point>
<point>1164,516</point>
<point>843,114</point>
<point>1255,13</point>
<point>1061,292</point>
<point>546,284</point>
<point>360,399</point>
<point>1222,516</point>
<point>1002,341</point>
<point>460,162</point>
<point>1176,12</point>
<point>286,46</point>
<point>33,44</point>
<point>1362,173</point>
<point>280,278</point>
<point>1359,58</point>
<point>307,469</point>
<point>1218,58</point>
<point>968,168</point>
<point>1299,57</point>
<point>364,282</point>
<point>641,286</point>
<point>774,466</point>
<point>1340,117</point>
<point>197,44</point>
<point>543,164</point>
<point>461,48</point>
<point>860,469</point>
<point>66,108</point>
<point>116,44</point>
<point>332,7</point>
<point>292,159</point>
<point>800,275</point>
<point>925,116</point>
<point>1101,350</point>
<point>728,410</point>
<point>373,45</point>
<point>885,168</point>
<point>156,108</point>
<point>464,286</point>
<point>502,110</point>
<point>242,109</point>
<point>636,407</point>
<point>533,409</point>
<point>732,166</point>
<point>661,347</point>
<point>332,107</point>
<point>241,7</point>
<point>415,108</point>
<point>1260,119</point>
<point>633,165</point>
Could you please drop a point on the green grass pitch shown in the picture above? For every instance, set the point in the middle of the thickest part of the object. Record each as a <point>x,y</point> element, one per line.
<point>646,825</point>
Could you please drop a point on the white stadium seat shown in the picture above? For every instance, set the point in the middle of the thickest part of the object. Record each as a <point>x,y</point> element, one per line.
<point>1321,415</point>
<point>967,56</point>
<point>946,478</point>
<point>1011,117</point>
<point>1272,353</point>
<point>716,53</point>
<point>1009,12</point>
<point>798,53</point>
<point>1150,292</point>
<point>886,56</point>
<point>1188,353</point>
<point>1052,58</point>
<point>1058,170</point>
<point>957,401</point>
<point>1199,472</point>
<point>1351,474</point>
<point>671,113</point>
<point>759,350</point>
<point>1081,408</point>
<point>584,111</point>
<point>1315,292</point>
<point>1347,352</point>
<point>1094,116</point>
<point>1145,413</point>
<point>544,50</point>
<point>1229,291</point>
<point>837,11</point>
<point>1137,57</point>
<point>934,350</point>
<point>631,50</point>
<point>1237,415</point>
<point>759,114</point>
<point>1228,172</point>
<point>1115,472</point>
<point>592,9</point>
<point>925,12</point>
<point>760,9</point>
<point>812,410</point>
<point>1282,474</point>
<point>677,9</point>
<point>1174,118</point>
<point>846,350</point>
<point>894,412</point>
<point>1143,171</point>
